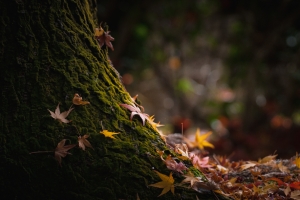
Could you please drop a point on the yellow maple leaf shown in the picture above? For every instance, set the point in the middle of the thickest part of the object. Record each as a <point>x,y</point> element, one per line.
<point>154,124</point>
<point>99,31</point>
<point>167,183</point>
<point>107,133</point>
<point>297,160</point>
<point>200,140</point>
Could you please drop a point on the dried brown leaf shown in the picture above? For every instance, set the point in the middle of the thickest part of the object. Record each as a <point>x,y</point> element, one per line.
<point>61,150</point>
<point>295,194</point>
<point>267,159</point>
<point>83,142</point>
<point>77,100</point>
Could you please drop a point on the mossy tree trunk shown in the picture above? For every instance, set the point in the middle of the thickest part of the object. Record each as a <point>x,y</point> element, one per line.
<point>48,53</point>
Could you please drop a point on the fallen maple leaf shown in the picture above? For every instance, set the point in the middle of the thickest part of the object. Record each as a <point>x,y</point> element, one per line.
<point>77,100</point>
<point>295,185</point>
<point>104,37</point>
<point>62,150</point>
<point>154,124</point>
<point>200,140</point>
<point>60,116</point>
<point>136,111</point>
<point>282,168</point>
<point>99,31</point>
<point>109,134</point>
<point>83,142</point>
<point>287,190</point>
<point>182,149</point>
<point>191,179</point>
<point>200,162</point>
<point>267,159</point>
<point>295,195</point>
<point>167,183</point>
<point>175,166</point>
<point>277,180</point>
<point>134,98</point>
<point>248,165</point>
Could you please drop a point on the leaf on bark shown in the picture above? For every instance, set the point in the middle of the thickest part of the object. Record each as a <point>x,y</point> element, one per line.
<point>109,134</point>
<point>61,150</point>
<point>61,117</point>
<point>83,142</point>
<point>136,111</point>
<point>175,166</point>
<point>190,178</point>
<point>77,100</point>
<point>104,37</point>
<point>154,124</point>
<point>167,183</point>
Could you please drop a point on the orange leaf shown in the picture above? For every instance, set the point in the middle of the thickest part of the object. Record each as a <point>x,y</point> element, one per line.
<point>77,100</point>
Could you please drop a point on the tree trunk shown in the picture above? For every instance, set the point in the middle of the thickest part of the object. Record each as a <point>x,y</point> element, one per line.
<point>49,53</point>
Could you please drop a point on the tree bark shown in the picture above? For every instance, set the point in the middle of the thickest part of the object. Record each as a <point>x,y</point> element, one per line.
<point>48,53</point>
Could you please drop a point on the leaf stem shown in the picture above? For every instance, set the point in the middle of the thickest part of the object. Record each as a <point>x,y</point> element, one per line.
<point>41,152</point>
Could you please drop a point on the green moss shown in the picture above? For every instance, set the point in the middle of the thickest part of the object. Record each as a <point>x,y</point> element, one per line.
<point>47,57</point>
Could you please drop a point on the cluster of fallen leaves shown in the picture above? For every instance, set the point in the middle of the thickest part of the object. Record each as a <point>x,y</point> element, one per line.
<point>61,149</point>
<point>267,178</point>
<point>138,110</point>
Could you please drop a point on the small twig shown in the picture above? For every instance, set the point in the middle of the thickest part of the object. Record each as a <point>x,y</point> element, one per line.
<point>101,125</point>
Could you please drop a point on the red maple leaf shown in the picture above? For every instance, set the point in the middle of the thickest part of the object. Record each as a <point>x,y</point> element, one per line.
<point>104,38</point>
<point>295,185</point>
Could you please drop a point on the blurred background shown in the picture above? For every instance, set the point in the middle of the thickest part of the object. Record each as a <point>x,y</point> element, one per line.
<point>230,66</point>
